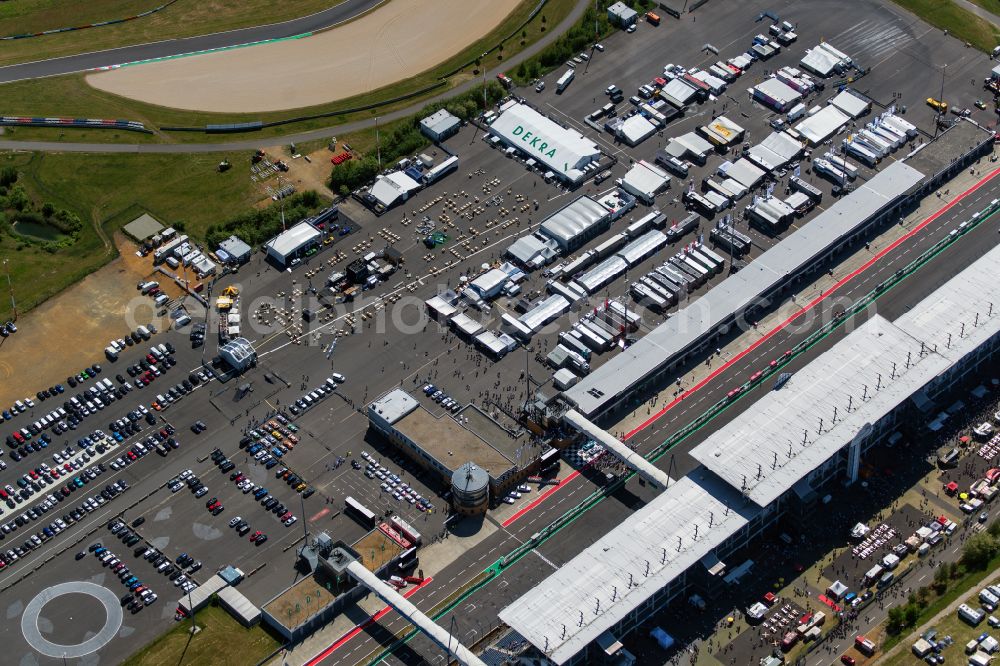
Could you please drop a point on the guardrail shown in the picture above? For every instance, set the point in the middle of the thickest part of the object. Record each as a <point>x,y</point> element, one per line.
<point>83,123</point>
<point>99,24</point>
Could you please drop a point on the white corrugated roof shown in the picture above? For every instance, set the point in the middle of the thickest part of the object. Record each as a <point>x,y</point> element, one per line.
<point>744,172</point>
<point>774,152</point>
<point>628,565</point>
<point>562,150</point>
<point>645,178</point>
<point>574,219</point>
<point>636,129</point>
<point>288,242</point>
<point>785,435</point>
<point>779,91</point>
<point>823,124</point>
<point>850,104</point>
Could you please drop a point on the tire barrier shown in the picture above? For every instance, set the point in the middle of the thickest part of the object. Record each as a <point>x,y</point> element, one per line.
<point>99,24</point>
<point>84,123</point>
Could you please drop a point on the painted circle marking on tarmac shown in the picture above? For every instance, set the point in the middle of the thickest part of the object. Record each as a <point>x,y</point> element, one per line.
<point>29,620</point>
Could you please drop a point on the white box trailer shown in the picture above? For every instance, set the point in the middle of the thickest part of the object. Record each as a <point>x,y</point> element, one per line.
<point>647,297</point>
<point>658,289</point>
<point>886,146</point>
<point>713,267</point>
<point>861,153</point>
<point>674,289</point>
<point>565,80</point>
<point>823,167</point>
<point>836,160</point>
<point>707,251</point>
<point>571,340</point>
<point>904,126</point>
<point>890,137</point>
<point>590,339</point>
<point>680,277</point>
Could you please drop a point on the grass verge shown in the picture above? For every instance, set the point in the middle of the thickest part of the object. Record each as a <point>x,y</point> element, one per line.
<point>106,192</point>
<point>71,96</point>
<point>992,6</point>
<point>222,641</point>
<point>958,21</point>
<point>959,587</point>
<point>184,18</point>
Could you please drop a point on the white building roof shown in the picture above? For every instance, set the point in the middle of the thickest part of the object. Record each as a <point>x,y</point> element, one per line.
<point>441,306</point>
<point>745,173</point>
<point>237,352</point>
<point>643,246</point>
<point>574,219</point>
<point>489,281</point>
<point>466,324</point>
<point>564,151</point>
<point>786,434</point>
<point>289,242</point>
<point>850,104</point>
<point>602,274</point>
<point>820,61</point>
<point>440,122</point>
<point>778,91</point>
<point>678,93</point>
<point>774,152</point>
<point>532,251</point>
<point>689,143</point>
<point>636,129</point>
<point>545,311</point>
<point>628,565</point>
<point>823,124</point>
<point>392,187</point>
<point>645,180</point>
<point>394,405</point>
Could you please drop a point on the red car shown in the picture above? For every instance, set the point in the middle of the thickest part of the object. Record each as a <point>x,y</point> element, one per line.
<point>19,437</point>
<point>253,537</point>
<point>151,358</point>
<point>847,659</point>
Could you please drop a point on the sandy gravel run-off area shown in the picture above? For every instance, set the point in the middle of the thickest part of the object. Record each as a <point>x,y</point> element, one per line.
<point>400,39</point>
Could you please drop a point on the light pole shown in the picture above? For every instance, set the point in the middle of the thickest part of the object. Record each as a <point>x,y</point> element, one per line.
<point>937,124</point>
<point>13,305</point>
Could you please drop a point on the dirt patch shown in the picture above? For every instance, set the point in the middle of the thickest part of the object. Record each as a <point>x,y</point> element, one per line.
<point>71,330</point>
<point>397,41</point>
<point>303,174</point>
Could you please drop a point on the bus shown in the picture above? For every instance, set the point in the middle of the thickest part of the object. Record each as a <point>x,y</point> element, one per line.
<point>653,18</point>
<point>358,510</point>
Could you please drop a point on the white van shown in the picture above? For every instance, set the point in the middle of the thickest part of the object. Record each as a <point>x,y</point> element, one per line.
<point>161,300</point>
<point>182,321</point>
<point>143,332</point>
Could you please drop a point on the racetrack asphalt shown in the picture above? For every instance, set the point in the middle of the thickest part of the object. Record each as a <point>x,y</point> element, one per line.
<point>297,137</point>
<point>344,11</point>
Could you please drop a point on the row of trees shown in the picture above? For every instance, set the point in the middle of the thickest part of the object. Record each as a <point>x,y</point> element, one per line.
<point>404,138</point>
<point>257,226</point>
<point>978,553</point>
